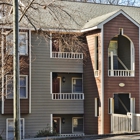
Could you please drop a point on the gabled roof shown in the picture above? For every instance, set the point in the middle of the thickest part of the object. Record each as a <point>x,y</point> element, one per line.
<point>97,20</point>
<point>74,16</point>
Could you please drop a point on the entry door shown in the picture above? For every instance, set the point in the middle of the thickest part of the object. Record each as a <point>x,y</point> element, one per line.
<point>56,125</point>
<point>56,85</point>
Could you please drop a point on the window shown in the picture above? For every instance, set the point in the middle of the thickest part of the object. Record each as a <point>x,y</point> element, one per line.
<point>77,124</point>
<point>23,43</point>
<point>23,86</point>
<point>10,128</point>
<point>77,85</point>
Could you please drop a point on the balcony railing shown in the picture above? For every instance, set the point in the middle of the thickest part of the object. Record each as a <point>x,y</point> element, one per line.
<point>67,55</point>
<point>67,96</point>
<point>121,73</point>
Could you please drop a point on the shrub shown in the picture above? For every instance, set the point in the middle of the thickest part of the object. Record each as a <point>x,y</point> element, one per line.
<point>1,137</point>
<point>45,132</point>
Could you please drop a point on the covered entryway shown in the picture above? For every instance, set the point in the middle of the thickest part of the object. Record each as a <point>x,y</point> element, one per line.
<point>122,110</point>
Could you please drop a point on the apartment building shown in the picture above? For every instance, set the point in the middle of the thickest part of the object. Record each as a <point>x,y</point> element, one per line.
<point>56,89</point>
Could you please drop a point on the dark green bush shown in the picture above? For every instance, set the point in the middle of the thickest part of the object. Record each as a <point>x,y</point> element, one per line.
<point>45,132</point>
<point>1,137</point>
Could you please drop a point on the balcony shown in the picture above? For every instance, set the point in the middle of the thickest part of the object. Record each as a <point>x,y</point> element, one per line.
<point>67,55</point>
<point>67,86</point>
<point>121,73</point>
<point>67,96</point>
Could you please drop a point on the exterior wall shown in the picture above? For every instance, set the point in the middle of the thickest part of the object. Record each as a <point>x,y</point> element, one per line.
<point>111,84</point>
<point>42,104</point>
<point>92,88</point>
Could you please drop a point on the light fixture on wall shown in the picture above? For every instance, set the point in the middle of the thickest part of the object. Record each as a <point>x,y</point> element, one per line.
<point>63,120</point>
<point>63,79</point>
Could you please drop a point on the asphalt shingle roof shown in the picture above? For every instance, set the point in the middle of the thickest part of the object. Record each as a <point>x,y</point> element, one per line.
<point>72,15</point>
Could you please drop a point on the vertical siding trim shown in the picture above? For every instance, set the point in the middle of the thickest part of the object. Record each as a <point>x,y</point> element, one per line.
<point>2,70</point>
<point>139,68</point>
<point>102,80</point>
<point>50,82</point>
<point>50,45</point>
<point>29,71</point>
<point>51,120</point>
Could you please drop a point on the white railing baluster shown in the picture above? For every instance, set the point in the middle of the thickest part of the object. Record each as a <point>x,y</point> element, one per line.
<point>67,96</point>
<point>67,55</point>
<point>121,73</point>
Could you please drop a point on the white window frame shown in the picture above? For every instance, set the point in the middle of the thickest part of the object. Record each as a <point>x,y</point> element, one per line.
<point>73,125</point>
<point>72,84</point>
<point>11,119</point>
<point>26,45</point>
<point>26,77</point>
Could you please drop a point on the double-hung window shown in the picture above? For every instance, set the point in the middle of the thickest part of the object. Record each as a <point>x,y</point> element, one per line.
<point>23,43</point>
<point>10,128</point>
<point>77,85</point>
<point>23,86</point>
<point>77,125</point>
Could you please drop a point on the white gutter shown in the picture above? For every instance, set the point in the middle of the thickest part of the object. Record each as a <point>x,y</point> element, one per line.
<point>90,29</point>
<point>102,81</point>
<point>49,30</point>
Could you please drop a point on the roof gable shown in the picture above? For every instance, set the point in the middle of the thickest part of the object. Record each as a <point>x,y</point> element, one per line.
<point>99,21</point>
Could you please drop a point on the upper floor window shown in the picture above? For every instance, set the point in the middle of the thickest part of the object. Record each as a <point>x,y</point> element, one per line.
<point>10,128</point>
<point>121,56</point>
<point>23,86</point>
<point>77,85</point>
<point>23,43</point>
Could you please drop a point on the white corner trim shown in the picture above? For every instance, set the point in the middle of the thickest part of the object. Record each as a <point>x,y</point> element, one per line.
<point>102,82</point>
<point>51,122</point>
<point>50,82</point>
<point>29,71</point>
<point>50,41</point>
<point>2,71</point>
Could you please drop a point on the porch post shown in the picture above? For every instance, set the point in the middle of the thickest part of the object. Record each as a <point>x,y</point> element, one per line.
<point>112,63</point>
<point>132,105</point>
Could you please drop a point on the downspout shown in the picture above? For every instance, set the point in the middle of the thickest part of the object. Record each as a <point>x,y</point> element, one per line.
<point>102,80</point>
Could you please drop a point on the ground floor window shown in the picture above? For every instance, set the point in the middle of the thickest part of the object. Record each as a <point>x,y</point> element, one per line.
<point>10,128</point>
<point>77,124</point>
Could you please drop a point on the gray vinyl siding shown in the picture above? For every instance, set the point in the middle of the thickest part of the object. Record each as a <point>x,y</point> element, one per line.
<point>42,104</point>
